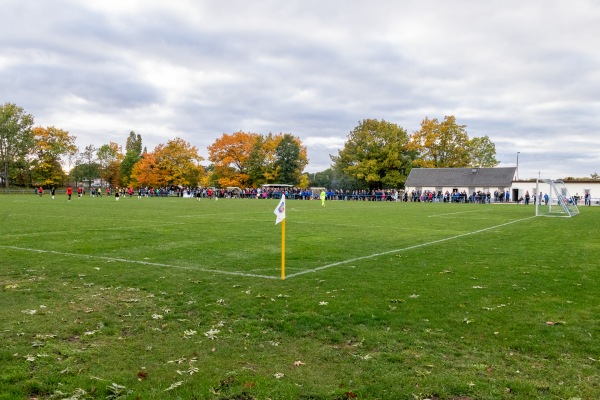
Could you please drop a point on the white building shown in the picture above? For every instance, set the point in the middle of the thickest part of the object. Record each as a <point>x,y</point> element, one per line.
<point>460,180</point>
<point>576,188</point>
<point>484,180</point>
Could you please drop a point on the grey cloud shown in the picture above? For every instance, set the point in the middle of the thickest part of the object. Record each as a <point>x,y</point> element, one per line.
<point>522,73</point>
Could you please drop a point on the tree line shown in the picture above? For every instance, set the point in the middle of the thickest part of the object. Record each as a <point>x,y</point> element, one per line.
<point>37,156</point>
<point>377,154</point>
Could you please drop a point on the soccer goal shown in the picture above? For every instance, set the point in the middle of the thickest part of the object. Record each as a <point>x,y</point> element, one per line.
<point>554,199</point>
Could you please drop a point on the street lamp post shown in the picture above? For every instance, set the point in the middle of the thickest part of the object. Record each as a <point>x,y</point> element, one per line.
<point>517,171</point>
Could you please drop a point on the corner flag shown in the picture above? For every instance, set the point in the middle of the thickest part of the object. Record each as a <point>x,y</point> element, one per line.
<point>280,210</point>
<point>280,213</point>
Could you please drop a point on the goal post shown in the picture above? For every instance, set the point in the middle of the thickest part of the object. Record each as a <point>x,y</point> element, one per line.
<point>554,199</point>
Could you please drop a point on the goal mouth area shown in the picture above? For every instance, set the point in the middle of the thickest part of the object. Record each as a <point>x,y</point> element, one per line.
<point>554,200</point>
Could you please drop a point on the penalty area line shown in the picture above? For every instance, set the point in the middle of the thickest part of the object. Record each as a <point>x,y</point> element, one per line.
<point>404,248</point>
<point>122,260</point>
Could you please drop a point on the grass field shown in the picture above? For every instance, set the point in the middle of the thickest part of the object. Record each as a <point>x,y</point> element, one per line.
<point>170,298</point>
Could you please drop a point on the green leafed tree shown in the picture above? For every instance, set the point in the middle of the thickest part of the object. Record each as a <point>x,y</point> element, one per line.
<point>375,155</point>
<point>109,157</point>
<point>290,159</point>
<point>133,154</point>
<point>259,160</point>
<point>482,152</point>
<point>52,146</point>
<point>16,139</point>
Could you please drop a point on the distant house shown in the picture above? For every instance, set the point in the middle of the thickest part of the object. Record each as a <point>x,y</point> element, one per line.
<point>577,188</point>
<point>458,180</point>
<point>473,180</point>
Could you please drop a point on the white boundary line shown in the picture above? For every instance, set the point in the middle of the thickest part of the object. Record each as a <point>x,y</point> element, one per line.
<point>403,249</point>
<point>138,262</point>
<point>458,212</point>
<point>258,275</point>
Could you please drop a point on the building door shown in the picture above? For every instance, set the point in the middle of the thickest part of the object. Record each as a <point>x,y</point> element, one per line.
<point>515,195</point>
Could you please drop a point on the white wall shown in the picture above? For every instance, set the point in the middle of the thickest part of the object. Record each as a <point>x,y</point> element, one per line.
<point>574,187</point>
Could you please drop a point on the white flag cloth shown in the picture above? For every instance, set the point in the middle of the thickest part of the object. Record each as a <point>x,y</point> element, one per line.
<point>280,210</point>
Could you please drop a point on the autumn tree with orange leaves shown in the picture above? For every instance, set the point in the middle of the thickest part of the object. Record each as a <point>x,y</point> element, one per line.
<point>145,172</point>
<point>230,154</point>
<point>249,159</point>
<point>174,163</point>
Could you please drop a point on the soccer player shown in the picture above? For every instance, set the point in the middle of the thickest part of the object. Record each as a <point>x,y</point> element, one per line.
<point>69,192</point>
<point>323,195</point>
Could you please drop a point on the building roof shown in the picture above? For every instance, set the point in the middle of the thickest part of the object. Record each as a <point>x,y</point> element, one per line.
<point>460,177</point>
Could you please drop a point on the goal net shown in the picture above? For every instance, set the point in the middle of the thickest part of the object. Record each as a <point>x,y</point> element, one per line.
<point>554,199</point>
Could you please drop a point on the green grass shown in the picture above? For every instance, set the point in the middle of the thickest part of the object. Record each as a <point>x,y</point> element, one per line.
<point>105,299</point>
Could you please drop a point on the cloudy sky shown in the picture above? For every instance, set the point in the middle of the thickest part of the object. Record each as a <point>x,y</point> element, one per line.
<point>525,73</point>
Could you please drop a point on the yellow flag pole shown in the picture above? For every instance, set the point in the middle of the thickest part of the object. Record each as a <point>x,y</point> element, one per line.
<point>283,249</point>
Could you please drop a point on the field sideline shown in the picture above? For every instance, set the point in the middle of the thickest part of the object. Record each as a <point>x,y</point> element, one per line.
<point>175,298</point>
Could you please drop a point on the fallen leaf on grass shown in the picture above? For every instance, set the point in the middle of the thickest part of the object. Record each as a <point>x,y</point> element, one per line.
<point>298,363</point>
<point>174,385</point>
<point>212,334</point>
<point>142,375</point>
<point>189,332</point>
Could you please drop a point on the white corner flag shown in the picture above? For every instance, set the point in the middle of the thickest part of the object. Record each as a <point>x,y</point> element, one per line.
<point>280,210</point>
<point>280,213</point>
